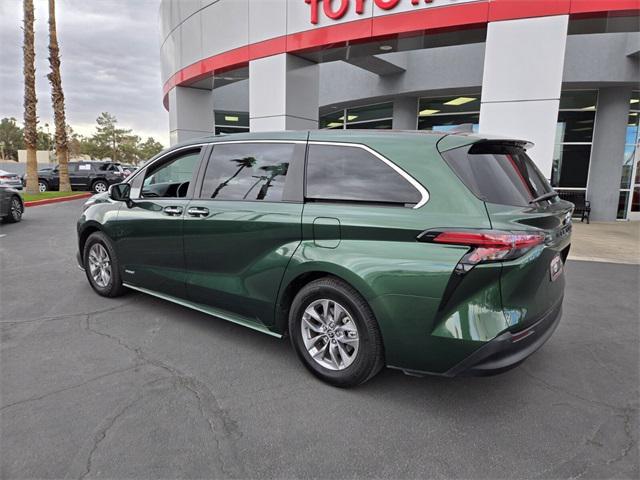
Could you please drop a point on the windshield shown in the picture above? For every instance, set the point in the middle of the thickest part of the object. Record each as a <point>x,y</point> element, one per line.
<point>498,173</point>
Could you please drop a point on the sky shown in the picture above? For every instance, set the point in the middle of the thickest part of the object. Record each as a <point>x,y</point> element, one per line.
<point>110,61</point>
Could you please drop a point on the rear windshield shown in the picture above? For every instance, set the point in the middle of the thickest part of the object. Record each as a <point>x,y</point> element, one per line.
<point>502,174</point>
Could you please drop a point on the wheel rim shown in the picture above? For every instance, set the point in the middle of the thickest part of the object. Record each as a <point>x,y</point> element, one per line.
<point>100,187</point>
<point>329,334</point>
<point>16,209</point>
<point>99,265</point>
<point>42,187</point>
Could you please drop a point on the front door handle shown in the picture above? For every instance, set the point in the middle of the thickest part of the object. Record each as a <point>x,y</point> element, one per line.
<point>198,211</point>
<point>173,211</point>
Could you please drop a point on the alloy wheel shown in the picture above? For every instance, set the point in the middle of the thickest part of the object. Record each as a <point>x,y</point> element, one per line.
<point>99,265</point>
<point>329,334</point>
<point>42,187</point>
<point>100,187</point>
<point>16,209</point>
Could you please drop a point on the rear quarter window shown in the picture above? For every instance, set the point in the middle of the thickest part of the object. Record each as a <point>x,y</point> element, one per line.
<point>352,174</point>
<point>496,173</point>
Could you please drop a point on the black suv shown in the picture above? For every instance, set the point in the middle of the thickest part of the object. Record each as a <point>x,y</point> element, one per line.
<point>94,176</point>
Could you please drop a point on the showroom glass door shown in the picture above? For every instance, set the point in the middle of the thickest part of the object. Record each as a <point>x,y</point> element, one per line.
<point>632,159</point>
<point>634,201</point>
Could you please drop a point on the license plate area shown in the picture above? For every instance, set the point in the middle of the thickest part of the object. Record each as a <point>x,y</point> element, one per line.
<point>555,268</point>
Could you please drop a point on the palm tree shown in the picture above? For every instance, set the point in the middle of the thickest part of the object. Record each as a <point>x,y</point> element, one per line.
<point>242,163</point>
<point>30,99</point>
<point>57,99</point>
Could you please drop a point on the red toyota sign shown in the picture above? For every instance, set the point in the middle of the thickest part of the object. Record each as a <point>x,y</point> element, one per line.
<point>336,9</point>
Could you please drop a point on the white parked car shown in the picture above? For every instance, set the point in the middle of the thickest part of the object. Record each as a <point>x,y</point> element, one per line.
<point>9,179</point>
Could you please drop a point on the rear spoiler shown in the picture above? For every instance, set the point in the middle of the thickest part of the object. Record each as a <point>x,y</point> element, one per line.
<point>451,141</point>
<point>526,144</point>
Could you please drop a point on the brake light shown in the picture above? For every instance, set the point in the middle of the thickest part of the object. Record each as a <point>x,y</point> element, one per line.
<point>486,245</point>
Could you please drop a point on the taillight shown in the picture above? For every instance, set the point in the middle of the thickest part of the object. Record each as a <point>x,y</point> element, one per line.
<point>485,245</point>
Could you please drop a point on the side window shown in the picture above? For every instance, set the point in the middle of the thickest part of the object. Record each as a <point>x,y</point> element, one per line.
<point>352,174</point>
<point>171,178</point>
<point>248,171</point>
<point>73,167</point>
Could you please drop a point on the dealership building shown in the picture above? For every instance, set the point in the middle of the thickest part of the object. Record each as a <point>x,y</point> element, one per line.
<point>563,74</point>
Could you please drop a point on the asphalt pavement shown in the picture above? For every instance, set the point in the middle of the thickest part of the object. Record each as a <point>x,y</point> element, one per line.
<point>136,387</point>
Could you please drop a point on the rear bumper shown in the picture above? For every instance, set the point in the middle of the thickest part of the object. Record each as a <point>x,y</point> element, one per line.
<point>509,350</point>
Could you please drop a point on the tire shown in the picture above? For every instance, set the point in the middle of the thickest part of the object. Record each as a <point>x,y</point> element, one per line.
<point>16,209</point>
<point>43,186</point>
<point>363,358</point>
<point>99,253</point>
<point>99,186</point>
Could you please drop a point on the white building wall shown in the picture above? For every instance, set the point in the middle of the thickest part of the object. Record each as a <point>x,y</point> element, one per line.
<point>523,66</point>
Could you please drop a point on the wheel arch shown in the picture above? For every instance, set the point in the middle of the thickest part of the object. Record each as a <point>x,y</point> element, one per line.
<point>17,195</point>
<point>87,229</point>
<point>99,179</point>
<point>295,281</point>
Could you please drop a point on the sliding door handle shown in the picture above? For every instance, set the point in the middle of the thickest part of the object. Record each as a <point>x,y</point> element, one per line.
<point>198,211</point>
<point>172,211</point>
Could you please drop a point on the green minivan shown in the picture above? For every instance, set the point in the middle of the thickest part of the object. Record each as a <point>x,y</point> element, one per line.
<point>431,253</point>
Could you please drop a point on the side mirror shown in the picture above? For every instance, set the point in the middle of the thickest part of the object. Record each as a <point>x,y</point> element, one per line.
<point>120,192</point>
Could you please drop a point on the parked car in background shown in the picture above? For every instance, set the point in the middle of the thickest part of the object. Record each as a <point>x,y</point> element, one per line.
<point>89,176</point>
<point>11,205</point>
<point>430,253</point>
<point>8,179</point>
<point>128,169</point>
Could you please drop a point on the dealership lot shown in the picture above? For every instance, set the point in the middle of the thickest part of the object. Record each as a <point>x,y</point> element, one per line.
<point>137,387</point>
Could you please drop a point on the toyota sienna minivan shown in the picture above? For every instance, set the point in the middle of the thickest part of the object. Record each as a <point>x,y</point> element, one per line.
<point>426,252</point>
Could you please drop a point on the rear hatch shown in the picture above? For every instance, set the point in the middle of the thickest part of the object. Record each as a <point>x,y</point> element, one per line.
<point>518,198</point>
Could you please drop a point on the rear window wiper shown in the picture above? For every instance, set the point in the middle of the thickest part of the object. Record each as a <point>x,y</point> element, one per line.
<point>546,196</point>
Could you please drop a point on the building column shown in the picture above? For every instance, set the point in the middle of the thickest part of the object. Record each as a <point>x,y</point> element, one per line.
<point>607,152</point>
<point>405,113</point>
<point>283,93</point>
<point>523,67</point>
<point>190,113</point>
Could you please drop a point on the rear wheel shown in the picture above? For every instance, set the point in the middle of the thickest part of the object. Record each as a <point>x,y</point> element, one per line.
<point>335,334</point>
<point>16,208</point>
<point>100,186</point>
<point>101,266</point>
<point>43,186</point>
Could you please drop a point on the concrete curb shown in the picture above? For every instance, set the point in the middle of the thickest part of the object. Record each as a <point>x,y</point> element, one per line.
<point>46,201</point>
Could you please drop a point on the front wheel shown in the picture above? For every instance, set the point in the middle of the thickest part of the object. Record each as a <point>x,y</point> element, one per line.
<point>16,209</point>
<point>101,266</point>
<point>335,333</point>
<point>100,186</point>
<point>43,186</point>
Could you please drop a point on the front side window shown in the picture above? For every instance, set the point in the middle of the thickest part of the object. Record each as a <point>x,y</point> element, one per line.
<point>248,171</point>
<point>171,179</point>
<point>343,173</point>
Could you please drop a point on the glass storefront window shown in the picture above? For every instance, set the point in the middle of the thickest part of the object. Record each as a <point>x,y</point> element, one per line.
<point>370,112</point>
<point>375,116</point>
<point>231,122</point>
<point>627,166</point>
<point>332,120</point>
<point>574,136</point>
<point>446,123</point>
<point>630,178</point>
<point>623,203</point>
<point>385,124</point>
<point>450,104</point>
<point>454,112</point>
<point>579,100</point>
<point>575,126</point>
<point>571,166</point>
